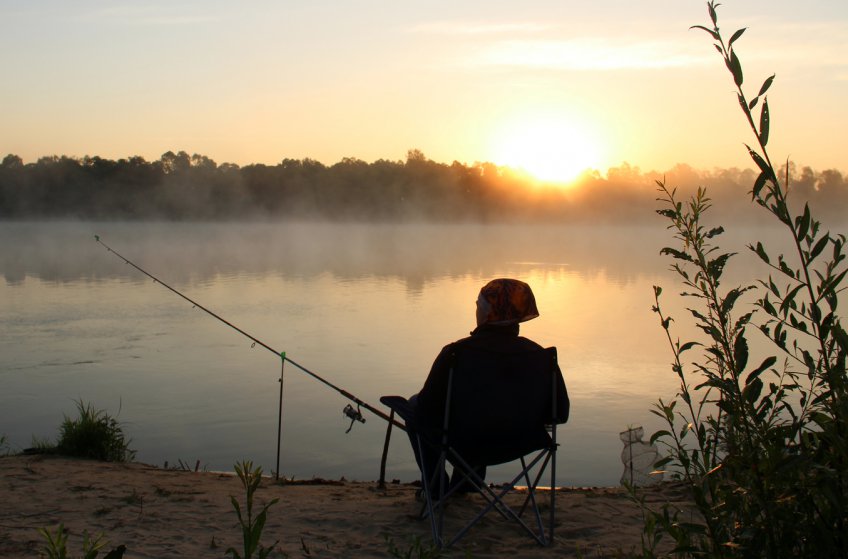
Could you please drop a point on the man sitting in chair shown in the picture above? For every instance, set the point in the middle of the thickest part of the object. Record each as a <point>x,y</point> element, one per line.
<point>501,305</point>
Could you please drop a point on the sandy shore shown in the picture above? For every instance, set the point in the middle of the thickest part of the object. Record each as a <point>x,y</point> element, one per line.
<point>160,513</point>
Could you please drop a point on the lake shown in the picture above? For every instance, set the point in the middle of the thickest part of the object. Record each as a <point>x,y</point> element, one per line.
<point>367,307</point>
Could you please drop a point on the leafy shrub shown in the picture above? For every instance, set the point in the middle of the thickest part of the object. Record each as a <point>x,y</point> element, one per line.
<point>763,446</point>
<point>94,434</point>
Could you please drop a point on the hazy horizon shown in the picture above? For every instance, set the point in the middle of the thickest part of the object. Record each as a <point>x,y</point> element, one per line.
<point>552,87</point>
<point>183,187</point>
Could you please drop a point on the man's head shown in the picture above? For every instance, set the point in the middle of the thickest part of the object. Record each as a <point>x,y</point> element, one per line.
<point>505,301</point>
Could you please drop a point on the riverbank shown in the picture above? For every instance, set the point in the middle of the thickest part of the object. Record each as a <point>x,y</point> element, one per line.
<point>160,514</point>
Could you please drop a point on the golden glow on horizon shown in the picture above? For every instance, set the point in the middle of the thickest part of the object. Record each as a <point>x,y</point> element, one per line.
<point>550,148</point>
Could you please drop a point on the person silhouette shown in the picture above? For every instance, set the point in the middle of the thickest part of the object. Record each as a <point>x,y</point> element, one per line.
<point>501,306</point>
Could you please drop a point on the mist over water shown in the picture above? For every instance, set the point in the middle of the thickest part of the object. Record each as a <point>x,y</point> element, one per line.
<point>366,306</point>
<point>190,252</point>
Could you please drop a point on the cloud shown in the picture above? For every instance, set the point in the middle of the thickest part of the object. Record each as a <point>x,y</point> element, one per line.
<point>555,46</point>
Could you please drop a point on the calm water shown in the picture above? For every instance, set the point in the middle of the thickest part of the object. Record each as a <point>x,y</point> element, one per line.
<point>366,306</point>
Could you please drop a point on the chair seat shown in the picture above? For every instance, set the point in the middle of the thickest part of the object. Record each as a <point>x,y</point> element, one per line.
<point>502,412</point>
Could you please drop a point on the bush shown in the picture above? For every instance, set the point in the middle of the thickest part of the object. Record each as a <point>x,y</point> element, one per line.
<point>94,434</point>
<point>762,446</point>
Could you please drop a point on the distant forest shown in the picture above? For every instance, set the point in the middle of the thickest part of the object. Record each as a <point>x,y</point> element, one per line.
<point>179,186</point>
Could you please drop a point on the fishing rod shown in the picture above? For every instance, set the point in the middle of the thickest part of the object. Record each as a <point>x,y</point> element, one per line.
<point>353,414</point>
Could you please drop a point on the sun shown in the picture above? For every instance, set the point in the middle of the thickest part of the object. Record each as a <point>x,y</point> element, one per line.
<point>552,149</point>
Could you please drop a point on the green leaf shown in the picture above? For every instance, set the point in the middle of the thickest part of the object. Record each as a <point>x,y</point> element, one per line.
<point>256,530</point>
<point>740,352</point>
<point>762,180</point>
<point>764,123</point>
<point>761,252</point>
<point>819,247</point>
<point>662,462</point>
<point>714,35</point>
<point>236,507</point>
<point>766,85</point>
<point>802,223</point>
<point>779,336</point>
<point>784,267</point>
<point>687,346</point>
<point>658,434</point>
<point>676,254</point>
<point>736,36</point>
<point>789,299</point>
<point>761,163</point>
<point>714,231</point>
<point>752,391</point>
<point>832,283</point>
<point>735,68</point>
<point>730,300</point>
<point>716,266</point>
<point>767,363</point>
<point>840,335</point>
<point>826,326</point>
<point>809,362</point>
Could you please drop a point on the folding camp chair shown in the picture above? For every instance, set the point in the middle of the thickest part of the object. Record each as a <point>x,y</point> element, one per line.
<point>500,408</point>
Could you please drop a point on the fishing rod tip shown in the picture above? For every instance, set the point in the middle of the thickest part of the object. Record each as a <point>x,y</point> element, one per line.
<point>97,238</point>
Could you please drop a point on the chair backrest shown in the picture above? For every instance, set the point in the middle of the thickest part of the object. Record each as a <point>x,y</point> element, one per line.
<point>501,402</point>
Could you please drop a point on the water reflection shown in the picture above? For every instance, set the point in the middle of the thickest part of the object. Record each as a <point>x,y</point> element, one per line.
<point>366,306</point>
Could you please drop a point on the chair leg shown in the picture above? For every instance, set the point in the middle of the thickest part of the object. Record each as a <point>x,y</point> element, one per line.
<point>435,509</point>
<point>531,497</point>
<point>495,501</point>
<point>552,518</point>
<point>539,475</point>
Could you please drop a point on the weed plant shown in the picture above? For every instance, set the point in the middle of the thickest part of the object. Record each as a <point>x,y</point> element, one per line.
<point>56,546</point>
<point>761,445</point>
<point>41,445</point>
<point>416,550</point>
<point>251,526</point>
<point>94,434</point>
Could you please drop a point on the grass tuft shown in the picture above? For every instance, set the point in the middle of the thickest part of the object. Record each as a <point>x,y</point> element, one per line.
<point>94,434</point>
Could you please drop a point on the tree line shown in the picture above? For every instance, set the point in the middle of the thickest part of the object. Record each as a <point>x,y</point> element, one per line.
<point>179,186</point>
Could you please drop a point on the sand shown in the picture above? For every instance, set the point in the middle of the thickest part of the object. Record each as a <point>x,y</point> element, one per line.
<point>163,513</point>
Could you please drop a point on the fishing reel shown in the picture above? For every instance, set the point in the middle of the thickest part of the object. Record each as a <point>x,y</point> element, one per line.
<point>354,415</point>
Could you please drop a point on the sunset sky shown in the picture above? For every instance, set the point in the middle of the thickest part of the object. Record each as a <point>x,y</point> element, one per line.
<point>555,86</point>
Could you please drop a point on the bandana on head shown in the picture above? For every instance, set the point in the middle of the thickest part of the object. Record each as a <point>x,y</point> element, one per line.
<point>510,301</point>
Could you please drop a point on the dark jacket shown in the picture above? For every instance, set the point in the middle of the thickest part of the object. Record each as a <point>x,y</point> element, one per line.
<point>492,339</point>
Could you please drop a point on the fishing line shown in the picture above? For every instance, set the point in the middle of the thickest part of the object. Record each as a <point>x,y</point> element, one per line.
<point>353,414</point>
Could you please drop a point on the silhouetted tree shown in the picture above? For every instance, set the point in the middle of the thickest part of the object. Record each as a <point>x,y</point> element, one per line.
<point>179,186</point>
